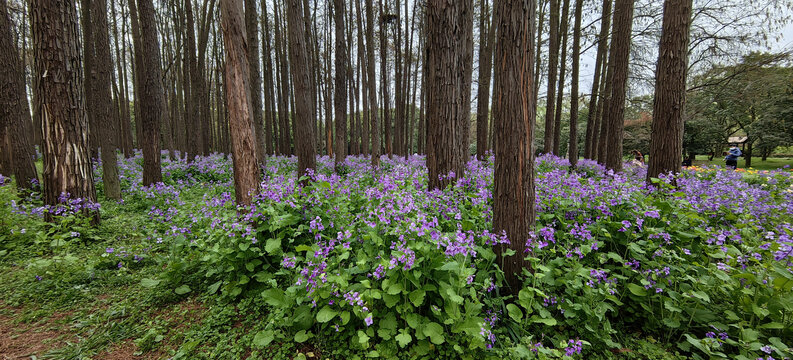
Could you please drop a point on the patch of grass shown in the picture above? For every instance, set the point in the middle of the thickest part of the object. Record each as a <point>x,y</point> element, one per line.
<point>757,163</point>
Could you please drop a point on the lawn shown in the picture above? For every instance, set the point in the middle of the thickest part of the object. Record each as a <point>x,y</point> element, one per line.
<point>757,163</point>
<point>369,263</point>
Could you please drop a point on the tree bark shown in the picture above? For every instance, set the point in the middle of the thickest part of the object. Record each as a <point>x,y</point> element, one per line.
<point>447,48</point>
<point>89,57</point>
<point>269,96</point>
<point>305,145</point>
<point>385,81</point>
<point>514,117</point>
<point>620,51</point>
<point>238,95</point>
<point>151,96</point>
<point>592,128</point>
<point>61,103</point>
<point>486,35</point>
<point>103,103</point>
<point>340,88</point>
<point>572,148</point>
<point>666,141</point>
<point>374,120</point>
<point>553,61</point>
<point>252,28</point>
<point>14,109</point>
<point>557,122</point>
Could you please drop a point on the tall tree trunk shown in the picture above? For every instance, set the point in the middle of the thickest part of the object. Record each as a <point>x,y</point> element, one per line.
<point>557,122</point>
<point>572,148</point>
<point>252,28</point>
<point>305,145</point>
<point>553,62</point>
<point>151,96</point>
<point>538,51</point>
<point>590,145</point>
<point>89,58</point>
<point>486,35</point>
<point>283,82</point>
<point>238,94</point>
<point>269,96</point>
<point>666,141</point>
<point>371,81</point>
<point>601,150</point>
<point>103,109</point>
<point>67,162</point>
<point>363,70</point>
<point>447,55</point>
<point>14,108</point>
<point>340,88</point>
<point>513,190</point>
<point>620,51</point>
<point>385,81</point>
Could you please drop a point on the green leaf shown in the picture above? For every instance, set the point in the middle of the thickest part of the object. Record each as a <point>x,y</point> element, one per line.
<point>272,245</point>
<point>149,283</point>
<point>363,339</point>
<point>672,322</point>
<point>302,336</point>
<point>263,338</point>
<point>275,297</point>
<point>326,314</point>
<point>701,295</point>
<point>214,287</point>
<point>637,290</point>
<point>345,317</point>
<point>417,297</point>
<point>435,332</point>
<point>546,321</point>
<point>404,338</point>
<point>394,289</point>
<point>244,245</point>
<point>184,289</point>
<point>514,312</point>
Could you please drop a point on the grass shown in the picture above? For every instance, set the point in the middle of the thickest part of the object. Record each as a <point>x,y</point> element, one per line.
<point>757,163</point>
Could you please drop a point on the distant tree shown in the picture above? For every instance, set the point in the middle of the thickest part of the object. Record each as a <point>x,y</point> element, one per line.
<point>15,122</point>
<point>61,103</point>
<point>486,36</point>
<point>340,87</point>
<point>666,142</point>
<point>573,145</point>
<point>596,97</point>
<point>553,63</point>
<point>514,117</point>
<point>299,59</point>
<point>252,32</point>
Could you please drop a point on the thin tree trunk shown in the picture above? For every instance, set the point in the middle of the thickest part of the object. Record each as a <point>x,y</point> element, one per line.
<point>89,57</point>
<point>252,28</point>
<point>67,162</point>
<point>606,86</point>
<point>486,36</point>
<point>374,120</point>
<point>103,102</point>
<point>553,62</point>
<point>666,142</point>
<point>305,145</point>
<point>385,81</point>
<point>269,96</point>
<point>340,88</point>
<point>557,123</point>
<point>572,148</point>
<point>513,191</point>
<point>14,109</point>
<point>620,51</point>
<point>590,145</point>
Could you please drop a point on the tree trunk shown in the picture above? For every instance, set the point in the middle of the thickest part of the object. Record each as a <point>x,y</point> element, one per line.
<point>486,35</point>
<point>103,109</point>
<point>447,48</point>
<point>67,162</point>
<point>269,96</point>
<point>572,149</point>
<point>385,81</point>
<point>553,61</point>
<point>620,51</point>
<point>14,109</point>
<point>252,28</point>
<point>151,96</point>
<point>89,56</point>
<point>371,81</point>
<point>513,183</point>
<point>238,95</point>
<point>666,142</point>
<point>305,145</point>
<point>557,122</point>
<point>340,88</point>
<point>284,82</point>
<point>592,128</point>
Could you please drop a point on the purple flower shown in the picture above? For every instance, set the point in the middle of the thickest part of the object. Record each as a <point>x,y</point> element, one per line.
<point>368,320</point>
